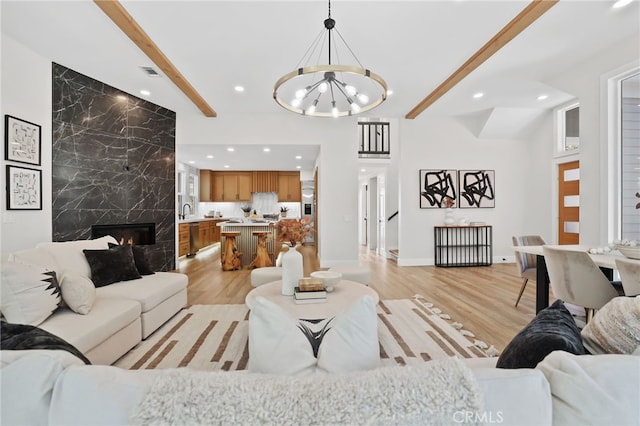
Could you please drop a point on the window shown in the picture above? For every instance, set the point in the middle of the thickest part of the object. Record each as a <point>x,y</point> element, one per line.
<point>629,173</point>
<point>569,128</point>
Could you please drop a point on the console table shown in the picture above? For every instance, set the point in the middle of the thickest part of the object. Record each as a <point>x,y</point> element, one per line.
<point>468,245</point>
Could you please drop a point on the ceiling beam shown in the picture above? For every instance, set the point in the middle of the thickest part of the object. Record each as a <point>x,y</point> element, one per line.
<point>529,14</point>
<point>119,15</point>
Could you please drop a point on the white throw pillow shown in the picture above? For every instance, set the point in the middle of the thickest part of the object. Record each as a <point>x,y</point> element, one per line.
<point>352,343</point>
<point>78,292</point>
<point>69,255</point>
<point>615,328</point>
<point>29,294</point>
<point>278,343</point>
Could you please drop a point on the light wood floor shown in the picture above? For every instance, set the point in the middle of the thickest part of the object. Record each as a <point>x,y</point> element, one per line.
<point>481,298</point>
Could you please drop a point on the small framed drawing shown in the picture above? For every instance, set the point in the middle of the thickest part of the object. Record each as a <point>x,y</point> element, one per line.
<point>24,188</point>
<point>437,188</point>
<point>476,188</point>
<point>21,141</point>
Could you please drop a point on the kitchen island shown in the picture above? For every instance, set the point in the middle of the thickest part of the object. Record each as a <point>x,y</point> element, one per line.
<point>247,243</point>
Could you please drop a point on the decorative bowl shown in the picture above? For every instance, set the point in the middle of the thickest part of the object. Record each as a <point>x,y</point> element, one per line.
<point>329,278</point>
<point>629,251</point>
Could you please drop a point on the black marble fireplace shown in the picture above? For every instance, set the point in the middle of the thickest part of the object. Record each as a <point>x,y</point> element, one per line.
<point>127,233</point>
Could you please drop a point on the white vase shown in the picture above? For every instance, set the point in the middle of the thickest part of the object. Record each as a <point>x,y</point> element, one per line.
<point>448,216</point>
<point>292,270</point>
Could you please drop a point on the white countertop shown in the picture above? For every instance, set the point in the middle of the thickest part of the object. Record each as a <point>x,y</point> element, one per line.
<point>244,223</point>
<point>200,219</point>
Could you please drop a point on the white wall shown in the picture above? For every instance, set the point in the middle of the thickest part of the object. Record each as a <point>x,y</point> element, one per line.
<point>521,202</point>
<point>337,177</point>
<point>26,94</point>
<point>583,81</point>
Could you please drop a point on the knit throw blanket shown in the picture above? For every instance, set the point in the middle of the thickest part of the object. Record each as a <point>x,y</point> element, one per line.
<point>432,393</point>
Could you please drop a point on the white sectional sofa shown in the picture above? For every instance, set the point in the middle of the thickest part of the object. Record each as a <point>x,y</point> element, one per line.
<point>122,313</point>
<point>54,387</point>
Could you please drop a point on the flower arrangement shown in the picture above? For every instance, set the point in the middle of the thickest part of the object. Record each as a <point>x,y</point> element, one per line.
<point>246,209</point>
<point>448,202</point>
<point>292,231</point>
<point>284,209</point>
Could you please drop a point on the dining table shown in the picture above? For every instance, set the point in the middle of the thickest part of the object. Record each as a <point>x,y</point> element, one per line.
<point>606,261</point>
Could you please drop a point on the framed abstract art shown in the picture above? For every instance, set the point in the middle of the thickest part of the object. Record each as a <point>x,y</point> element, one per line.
<point>476,189</point>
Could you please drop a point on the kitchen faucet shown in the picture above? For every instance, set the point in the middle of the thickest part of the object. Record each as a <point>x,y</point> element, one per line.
<point>183,216</point>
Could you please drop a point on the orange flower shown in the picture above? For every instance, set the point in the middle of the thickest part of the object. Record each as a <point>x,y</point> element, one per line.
<point>292,230</point>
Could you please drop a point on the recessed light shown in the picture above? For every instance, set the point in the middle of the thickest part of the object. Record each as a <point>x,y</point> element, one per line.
<point>239,89</point>
<point>230,149</point>
<point>209,156</point>
<point>363,170</point>
<point>192,162</point>
<point>145,92</point>
<point>478,95</point>
<point>298,157</point>
<point>266,149</point>
<point>226,166</point>
<point>621,3</point>
<point>389,92</point>
<point>298,167</point>
<point>542,97</point>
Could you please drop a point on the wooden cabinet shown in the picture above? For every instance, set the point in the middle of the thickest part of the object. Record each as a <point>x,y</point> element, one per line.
<point>265,181</point>
<point>229,186</point>
<point>183,239</point>
<point>289,187</point>
<point>203,232</point>
<point>206,185</point>
<point>214,230</point>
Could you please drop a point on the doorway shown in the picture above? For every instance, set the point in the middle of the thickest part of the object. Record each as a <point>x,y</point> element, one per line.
<point>569,203</point>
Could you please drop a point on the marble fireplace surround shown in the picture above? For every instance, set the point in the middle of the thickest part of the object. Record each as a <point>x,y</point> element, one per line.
<point>113,162</point>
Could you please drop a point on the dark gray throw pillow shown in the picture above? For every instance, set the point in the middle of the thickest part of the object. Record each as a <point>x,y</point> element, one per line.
<point>553,329</point>
<point>140,259</point>
<point>113,265</point>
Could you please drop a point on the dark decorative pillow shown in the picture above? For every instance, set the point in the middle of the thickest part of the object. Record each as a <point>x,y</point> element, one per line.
<point>551,330</point>
<point>112,265</point>
<point>140,259</point>
<point>20,336</point>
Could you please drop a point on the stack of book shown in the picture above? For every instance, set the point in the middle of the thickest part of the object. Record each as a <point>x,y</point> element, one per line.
<point>309,290</point>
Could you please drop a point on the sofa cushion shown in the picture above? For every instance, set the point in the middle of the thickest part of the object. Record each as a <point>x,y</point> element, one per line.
<point>27,387</point>
<point>25,337</point>
<point>78,292</point>
<point>140,259</point>
<point>29,294</point>
<point>111,265</point>
<point>552,329</point>
<point>595,390</point>
<point>281,344</point>
<point>68,254</point>
<point>35,256</point>
<point>149,291</point>
<point>107,317</point>
<point>615,328</point>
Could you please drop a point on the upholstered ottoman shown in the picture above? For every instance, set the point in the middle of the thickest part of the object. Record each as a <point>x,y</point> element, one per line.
<point>261,276</point>
<point>356,273</point>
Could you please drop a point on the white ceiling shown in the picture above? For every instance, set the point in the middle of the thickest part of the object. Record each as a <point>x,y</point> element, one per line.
<point>413,45</point>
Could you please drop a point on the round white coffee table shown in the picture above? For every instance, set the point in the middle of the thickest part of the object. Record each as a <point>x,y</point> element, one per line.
<point>344,294</point>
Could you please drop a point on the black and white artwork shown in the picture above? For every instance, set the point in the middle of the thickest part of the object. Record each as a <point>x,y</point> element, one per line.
<point>21,141</point>
<point>24,188</point>
<point>437,188</point>
<point>476,189</point>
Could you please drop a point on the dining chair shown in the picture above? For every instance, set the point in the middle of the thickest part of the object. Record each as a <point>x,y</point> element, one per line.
<point>576,279</point>
<point>629,275</point>
<point>526,263</point>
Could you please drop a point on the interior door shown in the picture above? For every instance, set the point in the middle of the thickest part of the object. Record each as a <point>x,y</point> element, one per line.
<point>569,203</point>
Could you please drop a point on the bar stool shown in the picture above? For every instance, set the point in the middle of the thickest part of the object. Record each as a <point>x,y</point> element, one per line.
<point>230,255</point>
<point>262,254</point>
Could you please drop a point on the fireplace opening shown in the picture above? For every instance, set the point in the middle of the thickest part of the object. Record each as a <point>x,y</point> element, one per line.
<point>127,233</point>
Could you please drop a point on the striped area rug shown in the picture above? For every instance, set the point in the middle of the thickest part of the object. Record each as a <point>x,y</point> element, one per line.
<point>215,337</point>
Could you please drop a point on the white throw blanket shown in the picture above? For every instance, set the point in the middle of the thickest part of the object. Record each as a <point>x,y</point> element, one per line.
<point>432,393</point>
